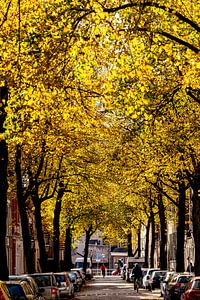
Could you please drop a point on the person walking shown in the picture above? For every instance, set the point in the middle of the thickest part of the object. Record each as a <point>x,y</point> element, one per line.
<point>103,270</point>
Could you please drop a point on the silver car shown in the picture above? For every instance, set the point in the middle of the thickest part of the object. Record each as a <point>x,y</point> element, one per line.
<point>47,285</point>
<point>65,285</point>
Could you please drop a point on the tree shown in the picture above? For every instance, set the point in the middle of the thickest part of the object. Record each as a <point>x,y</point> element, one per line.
<point>3,183</point>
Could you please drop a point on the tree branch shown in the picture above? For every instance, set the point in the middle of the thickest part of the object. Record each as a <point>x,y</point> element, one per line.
<point>171,37</point>
<point>162,192</point>
<point>156,5</point>
<point>190,92</point>
<point>6,14</point>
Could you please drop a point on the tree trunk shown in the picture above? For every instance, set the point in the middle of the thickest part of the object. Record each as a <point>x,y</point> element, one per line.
<point>56,228</point>
<point>28,251</point>
<point>39,229</point>
<point>139,242</point>
<point>180,264</point>
<point>196,218</point>
<point>87,239</point>
<point>129,240</point>
<point>68,249</point>
<point>146,263</point>
<point>3,186</point>
<point>153,242</point>
<point>163,234</point>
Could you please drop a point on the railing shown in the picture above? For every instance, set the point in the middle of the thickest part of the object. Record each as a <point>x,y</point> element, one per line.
<point>97,272</point>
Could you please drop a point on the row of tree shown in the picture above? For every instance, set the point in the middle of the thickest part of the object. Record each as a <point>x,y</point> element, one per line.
<point>99,120</point>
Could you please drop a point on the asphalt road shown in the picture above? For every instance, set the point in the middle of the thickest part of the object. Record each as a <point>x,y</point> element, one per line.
<point>113,288</point>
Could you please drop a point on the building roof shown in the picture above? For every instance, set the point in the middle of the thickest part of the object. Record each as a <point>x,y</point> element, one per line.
<point>119,252</point>
<point>120,249</point>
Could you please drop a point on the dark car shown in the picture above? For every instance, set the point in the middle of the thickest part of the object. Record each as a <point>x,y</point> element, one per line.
<point>176,286</point>
<point>156,278</point>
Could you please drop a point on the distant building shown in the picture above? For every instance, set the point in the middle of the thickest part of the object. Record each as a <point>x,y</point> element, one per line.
<point>98,251</point>
<point>118,254</point>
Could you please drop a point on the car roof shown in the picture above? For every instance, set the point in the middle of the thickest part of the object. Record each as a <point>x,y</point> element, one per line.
<point>47,273</point>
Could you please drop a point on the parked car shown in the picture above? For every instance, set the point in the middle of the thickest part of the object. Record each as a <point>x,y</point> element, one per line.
<point>176,286</point>
<point>81,274</point>
<point>156,278</point>
<point>74,279</point>
<point>47,285</point>
<point>31,281</point>
<point>145,280</point>
<point>192,289</point>
<point>79,278</point>
<point>79,265</point>
<point>4,292</point>
<point>16,290</point>
<point>164,282</point>
<point>30,295</point>
<point>65,285</point>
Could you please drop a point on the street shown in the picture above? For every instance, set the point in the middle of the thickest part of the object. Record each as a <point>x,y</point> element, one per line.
<point>113,288</point>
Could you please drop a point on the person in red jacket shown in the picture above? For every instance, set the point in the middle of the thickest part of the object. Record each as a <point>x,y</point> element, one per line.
<point>103,270</point>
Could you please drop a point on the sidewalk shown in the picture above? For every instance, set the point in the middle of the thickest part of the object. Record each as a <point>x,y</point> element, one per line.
<point>154,295</point>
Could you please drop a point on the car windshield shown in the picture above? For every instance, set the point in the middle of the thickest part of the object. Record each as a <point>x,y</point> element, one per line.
<point>183,279</point>
<point>16,291</point>
<point>43,280</point>
<point>60,278</point>
<point>196,285</point>
<point>158,274</point>
<point>72,275</point>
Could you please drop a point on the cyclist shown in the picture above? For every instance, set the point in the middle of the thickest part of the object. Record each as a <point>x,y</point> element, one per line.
<point>137,276</point>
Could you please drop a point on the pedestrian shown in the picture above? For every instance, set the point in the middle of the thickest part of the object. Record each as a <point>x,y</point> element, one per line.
<point>190,268</point>
<point>103,270</point>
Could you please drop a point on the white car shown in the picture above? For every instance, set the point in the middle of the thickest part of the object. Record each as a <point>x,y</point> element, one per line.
<point>163,284</point>
<point>145,280</point>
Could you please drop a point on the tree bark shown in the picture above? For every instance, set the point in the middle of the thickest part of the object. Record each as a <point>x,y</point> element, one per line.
<point>163,233</point>
<point>39,229</point>
<point>180,264</point>
<point>56,228</point>
<point>129,240</point>
<point>195,185</point>
<point>3,187</point>
<point>146,263</point>
<point>28,251</point>
<point>153,242</point>
<point>139,242</point>
<point>87,239</point>
<point>68,249</point>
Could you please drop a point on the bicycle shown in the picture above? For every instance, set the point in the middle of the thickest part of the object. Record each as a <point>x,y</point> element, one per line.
<point>137,284</point>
